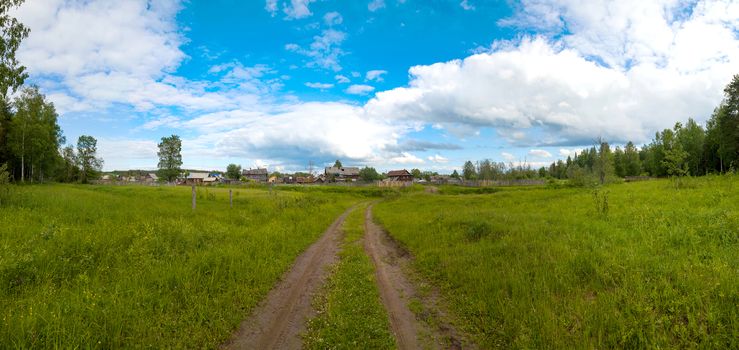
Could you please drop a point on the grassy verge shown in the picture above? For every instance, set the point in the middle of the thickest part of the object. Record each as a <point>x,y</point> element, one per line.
<point>130,266</point>
<point>647,267</point>
<point>350,314</point>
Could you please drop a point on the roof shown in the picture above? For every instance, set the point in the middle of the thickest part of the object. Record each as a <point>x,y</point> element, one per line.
<point>197,175</point>
<point>257,171</point>
<point>153,176</point>
<point>345,171</point>
<point>398,173</point>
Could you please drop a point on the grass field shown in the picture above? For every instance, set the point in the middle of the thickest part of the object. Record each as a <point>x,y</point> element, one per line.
<point>108,267</point>
<point>350,315</point>
<point>639,265</point>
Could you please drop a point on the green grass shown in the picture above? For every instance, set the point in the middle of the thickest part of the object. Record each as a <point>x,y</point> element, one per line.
<point>111,267</point>
<point>350,315</point>
<point>544,268</point>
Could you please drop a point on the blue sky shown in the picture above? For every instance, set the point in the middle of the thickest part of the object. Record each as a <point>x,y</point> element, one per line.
<point>390,84</point>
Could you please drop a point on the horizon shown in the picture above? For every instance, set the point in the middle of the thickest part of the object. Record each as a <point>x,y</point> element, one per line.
<point>389,84</point>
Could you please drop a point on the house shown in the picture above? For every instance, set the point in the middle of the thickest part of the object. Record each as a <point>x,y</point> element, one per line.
<point>400,175</point>
<point>258,174</point>
<point>342,174</point>
<point>151,178</point>
<point>196,178</point>
<point>211,180</point>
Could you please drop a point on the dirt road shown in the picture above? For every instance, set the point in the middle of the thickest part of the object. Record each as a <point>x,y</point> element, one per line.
<point>397,291</point>
<point>278,321</point>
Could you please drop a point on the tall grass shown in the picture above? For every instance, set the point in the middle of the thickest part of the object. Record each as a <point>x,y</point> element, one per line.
<point>547,268</point>
<point>111,267</point>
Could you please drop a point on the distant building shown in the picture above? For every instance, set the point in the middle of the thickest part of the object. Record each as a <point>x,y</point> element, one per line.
<point>259,174</point>
<point>151,177</point>
<point>196,178</point>
<point>400,175</point>
<point>342,174</point>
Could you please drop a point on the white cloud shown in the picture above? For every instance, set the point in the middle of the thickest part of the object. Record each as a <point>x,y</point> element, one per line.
<point>241,133</point>
<point>375,75</point>
<point>332,18</point>
<point>540,153</point>
<point>294,9</point>
<point>324,51</point>
<point>120,154</point>
<point>322,86</point>
<point>438,159</point>
<point>466,5</point>
<point>406,158</point>
<point>557,85</point>
<point>375,5</point>
<point>271,6</point>
<point>508,157</point>
<point>93,54</point>
<point>359,89</point>
<point>341,79</point>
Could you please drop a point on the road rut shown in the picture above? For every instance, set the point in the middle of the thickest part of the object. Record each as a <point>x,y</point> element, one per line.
<point>278,321</point>
<point>397,290</point>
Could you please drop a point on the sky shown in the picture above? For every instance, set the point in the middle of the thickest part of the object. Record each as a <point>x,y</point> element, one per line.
<point>390,84</point>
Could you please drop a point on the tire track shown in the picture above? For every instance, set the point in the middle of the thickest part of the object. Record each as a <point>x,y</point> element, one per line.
<point>397,291</point>
<point>278,321</point>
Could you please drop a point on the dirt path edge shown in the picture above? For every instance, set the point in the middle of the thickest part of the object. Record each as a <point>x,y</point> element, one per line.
<point>278,321</point>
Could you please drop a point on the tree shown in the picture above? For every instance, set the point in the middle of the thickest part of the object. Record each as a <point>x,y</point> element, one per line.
<point>368,174</point>
<point>468,171</point>
<point>416,173</point>
<point>603,165</point>
<point>35,136</point>
<point>455,174</point>
<point>631,161</point>
<point>619,164</point>
<point>337,164</point>
<point>12,73</point>
<point>170,158</point>
<point>675,161</point>
<point>233,171</point>
<point>68,170</point>
<point>691,138</point>
<point>90,165</point>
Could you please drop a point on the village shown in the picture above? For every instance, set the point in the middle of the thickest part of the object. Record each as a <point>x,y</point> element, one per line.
<point>336,175</point>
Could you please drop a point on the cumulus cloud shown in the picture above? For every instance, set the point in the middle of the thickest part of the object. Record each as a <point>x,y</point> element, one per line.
<point>540,153</point>
<point>375,75</point>
<point>581,86</point>
<point>359,89</point>
<point>98,53</point>
<point>268,135</point>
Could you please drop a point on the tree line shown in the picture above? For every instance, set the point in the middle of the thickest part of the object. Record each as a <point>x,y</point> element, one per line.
<point>31,141</point>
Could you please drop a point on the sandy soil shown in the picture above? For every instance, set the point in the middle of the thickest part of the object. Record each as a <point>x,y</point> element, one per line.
<point>278,321</point>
